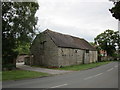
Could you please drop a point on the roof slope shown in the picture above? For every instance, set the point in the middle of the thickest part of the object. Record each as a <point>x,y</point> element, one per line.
<point>67,41</point>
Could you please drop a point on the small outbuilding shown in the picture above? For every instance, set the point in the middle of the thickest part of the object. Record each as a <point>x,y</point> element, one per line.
<point>51,48</point>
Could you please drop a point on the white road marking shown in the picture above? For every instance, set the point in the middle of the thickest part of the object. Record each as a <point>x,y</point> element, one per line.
<point>88,78</point>
<point>110,69</point>
<point>98,74</point>
<point>93,76</point>
<point>59,86</point>
<point>116,66</point>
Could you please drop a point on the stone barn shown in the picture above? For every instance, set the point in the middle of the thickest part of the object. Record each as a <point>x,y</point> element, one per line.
<point>50,48</point>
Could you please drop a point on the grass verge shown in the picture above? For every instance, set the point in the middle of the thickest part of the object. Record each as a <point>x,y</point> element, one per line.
<point>21,74</point>
<point>83,66</point>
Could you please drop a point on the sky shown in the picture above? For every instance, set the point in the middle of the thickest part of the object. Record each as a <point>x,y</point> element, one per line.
<point>81,18</point>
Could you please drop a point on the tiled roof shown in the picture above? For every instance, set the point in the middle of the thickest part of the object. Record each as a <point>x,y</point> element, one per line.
<point>67,41</point>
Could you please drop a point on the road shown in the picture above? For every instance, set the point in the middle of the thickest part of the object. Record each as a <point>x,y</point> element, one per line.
<point>105,76</point>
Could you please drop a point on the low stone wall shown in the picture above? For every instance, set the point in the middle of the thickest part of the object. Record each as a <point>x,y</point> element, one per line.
<point>107,58</point>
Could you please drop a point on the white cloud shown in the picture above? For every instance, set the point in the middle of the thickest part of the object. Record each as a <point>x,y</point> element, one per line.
<point>82,18</point>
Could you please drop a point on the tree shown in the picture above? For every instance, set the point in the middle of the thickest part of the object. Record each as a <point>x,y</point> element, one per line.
<point>18,26</point>
<point>116,10</point>
<point>23,48</point>
<point>108,41</point>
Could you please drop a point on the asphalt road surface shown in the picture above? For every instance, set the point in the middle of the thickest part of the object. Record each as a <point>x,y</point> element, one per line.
<point>105,76</point>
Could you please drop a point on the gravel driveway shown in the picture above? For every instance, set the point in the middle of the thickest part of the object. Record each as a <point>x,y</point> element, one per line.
<point>38,69</point>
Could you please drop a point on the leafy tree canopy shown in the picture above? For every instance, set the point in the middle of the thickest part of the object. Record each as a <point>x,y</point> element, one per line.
<point>109,41</point>
<point>116,10</point>
<point>23,48</point>
<point>18,26</point>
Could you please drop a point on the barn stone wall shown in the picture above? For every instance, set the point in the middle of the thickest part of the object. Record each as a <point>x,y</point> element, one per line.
<point>68,56</point>
<point>44,51</point>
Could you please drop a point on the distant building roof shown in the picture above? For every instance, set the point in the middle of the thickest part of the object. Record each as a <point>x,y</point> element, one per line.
<point>67,41</point>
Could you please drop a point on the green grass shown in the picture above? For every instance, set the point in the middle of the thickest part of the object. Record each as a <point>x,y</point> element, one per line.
<point>21,74</point>
<point>83,66</point>
<point>78,67</point>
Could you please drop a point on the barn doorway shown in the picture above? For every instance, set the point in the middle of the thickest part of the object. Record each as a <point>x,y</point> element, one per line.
<point>86,57</point>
